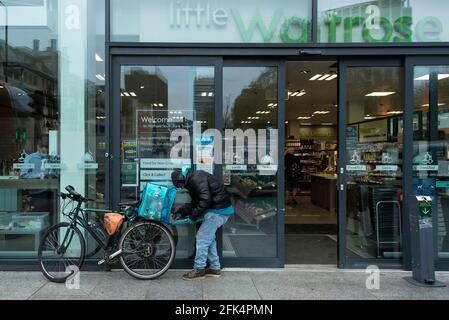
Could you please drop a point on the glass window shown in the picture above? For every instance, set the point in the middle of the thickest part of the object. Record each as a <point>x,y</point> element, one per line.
<point>383,21</point>
<point>51,114</point>
<point>431,146</point>
<point>214,21</point>
<point>250,101</point>
<point>374,162</point>
<point>156,101</point>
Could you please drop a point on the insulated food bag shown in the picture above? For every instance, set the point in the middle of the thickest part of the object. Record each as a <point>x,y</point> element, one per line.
<point>156,202</point>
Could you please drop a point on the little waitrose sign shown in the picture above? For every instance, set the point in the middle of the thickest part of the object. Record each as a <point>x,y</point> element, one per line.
<point>283,21</point>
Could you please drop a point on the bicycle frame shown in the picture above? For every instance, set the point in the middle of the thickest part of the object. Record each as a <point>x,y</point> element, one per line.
<point>79,219</point>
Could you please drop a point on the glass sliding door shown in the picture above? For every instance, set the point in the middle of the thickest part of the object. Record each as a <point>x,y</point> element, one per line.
<point>430,123</point>
<point>251,100</point>
<point>154,98</point>
<point>371,163</point>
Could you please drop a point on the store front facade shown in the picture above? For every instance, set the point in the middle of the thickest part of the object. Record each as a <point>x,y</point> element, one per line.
<point>91,92</point>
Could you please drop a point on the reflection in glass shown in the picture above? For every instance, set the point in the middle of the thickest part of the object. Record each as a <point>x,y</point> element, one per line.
<point>46,100</point>
<point>250,101</point>
<point>155,101</point>
<point>374,162</point>
<point>431,146</point>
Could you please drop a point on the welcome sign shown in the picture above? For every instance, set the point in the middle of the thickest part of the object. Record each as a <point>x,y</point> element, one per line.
<point>281,21</point>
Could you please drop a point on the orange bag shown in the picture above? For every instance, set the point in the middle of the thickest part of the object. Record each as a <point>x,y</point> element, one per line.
<point>112,222</point>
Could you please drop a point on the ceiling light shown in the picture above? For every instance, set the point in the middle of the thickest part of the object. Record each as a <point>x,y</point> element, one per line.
<point>133,94</point>
<point>426,77</point>
<point>161,105</point>
<point>142,87</point>
<point>324,77</point>
<point>315,77</point>
<point>286,122</point>
<point>100,77</point>
<point>121,94</point>
<point>304,118</point>
<point>321,112</point>
<point>379,94</point>
<point>98,58</point>
<point>211,94</point>
<point>423,78</point>
<point>204,94</point>
<point>439,104</point>
<point>126,94</point>
<point>332,77</point>
<point>395,112</point>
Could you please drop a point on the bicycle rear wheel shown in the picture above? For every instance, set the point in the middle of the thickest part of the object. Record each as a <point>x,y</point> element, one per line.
<point>61,252</point>
<point>148,250</point>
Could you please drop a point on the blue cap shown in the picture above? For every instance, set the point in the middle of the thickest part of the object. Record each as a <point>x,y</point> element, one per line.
<point>185,170</point>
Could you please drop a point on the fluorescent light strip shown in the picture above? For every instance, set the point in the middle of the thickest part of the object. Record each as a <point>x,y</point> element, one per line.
<point>315,77</point>
<point>379,94</point>
<point>324,77</point>
<point>332,77</point>
<point>426,77</point>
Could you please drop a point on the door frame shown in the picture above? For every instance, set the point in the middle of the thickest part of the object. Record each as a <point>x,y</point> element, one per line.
<point>117,61</point>
<point>115,117</point>
<point>279,260</point>
<point>410,63</point>
<point>344,261</point>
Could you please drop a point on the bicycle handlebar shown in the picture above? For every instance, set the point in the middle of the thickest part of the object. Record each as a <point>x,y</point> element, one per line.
<point>74,195</point>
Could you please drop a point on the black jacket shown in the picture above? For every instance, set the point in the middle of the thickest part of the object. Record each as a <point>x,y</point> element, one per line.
<point>206,193</point>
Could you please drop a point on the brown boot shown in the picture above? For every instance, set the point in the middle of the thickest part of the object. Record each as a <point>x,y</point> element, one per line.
<point>195,274</point>
<point>213,273</point>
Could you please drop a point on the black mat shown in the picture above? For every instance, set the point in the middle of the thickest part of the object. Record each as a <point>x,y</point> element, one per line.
<point>310,249</point>
<point>254,246</point>
<point>311,229</point>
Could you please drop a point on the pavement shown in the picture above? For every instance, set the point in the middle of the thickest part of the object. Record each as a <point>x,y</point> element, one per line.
<point>292,283</point>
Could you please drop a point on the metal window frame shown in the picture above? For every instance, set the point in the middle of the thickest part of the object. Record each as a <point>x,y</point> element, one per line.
<point>279,260</point>
<point>410,64</point>
<point>344,260</point>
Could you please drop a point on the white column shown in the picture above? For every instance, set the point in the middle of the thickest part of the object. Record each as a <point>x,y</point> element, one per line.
<point>72,91</point>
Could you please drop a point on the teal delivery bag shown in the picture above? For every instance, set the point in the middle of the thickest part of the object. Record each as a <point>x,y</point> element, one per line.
<point>156,202</point>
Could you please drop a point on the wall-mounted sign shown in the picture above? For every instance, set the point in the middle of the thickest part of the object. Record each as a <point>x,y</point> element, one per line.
<point>356,168</point>
<point>281,21</point>
<point>129,150</point>
<point>236,167</point>
<point>373,131</point>
<point>387,168</point>
<point>23,166</point>
<point>129,175</point>
<point>163,163</point>
<point>150,175</point>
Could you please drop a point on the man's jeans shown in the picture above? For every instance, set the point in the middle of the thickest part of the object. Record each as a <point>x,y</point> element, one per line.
<point>206,246</point>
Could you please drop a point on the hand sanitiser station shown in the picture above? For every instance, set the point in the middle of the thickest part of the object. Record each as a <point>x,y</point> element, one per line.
<point>422,243</point>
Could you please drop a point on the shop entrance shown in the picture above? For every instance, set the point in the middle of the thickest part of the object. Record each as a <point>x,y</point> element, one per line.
<point>311,162</point>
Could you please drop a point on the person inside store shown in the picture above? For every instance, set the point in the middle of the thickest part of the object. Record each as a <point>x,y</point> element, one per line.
<point>35,160</point>
<point>211,204</point>
<point>292,176</point>
<point>38,199</point>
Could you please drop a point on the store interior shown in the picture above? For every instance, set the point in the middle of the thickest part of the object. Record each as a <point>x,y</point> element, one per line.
<point>310,162</point>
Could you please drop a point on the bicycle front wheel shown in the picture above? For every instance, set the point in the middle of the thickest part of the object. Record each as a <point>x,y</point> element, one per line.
<point>61,252</point>
<point>148,250</point>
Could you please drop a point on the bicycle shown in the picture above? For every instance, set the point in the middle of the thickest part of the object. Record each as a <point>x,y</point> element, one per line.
<point>145,248</point>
